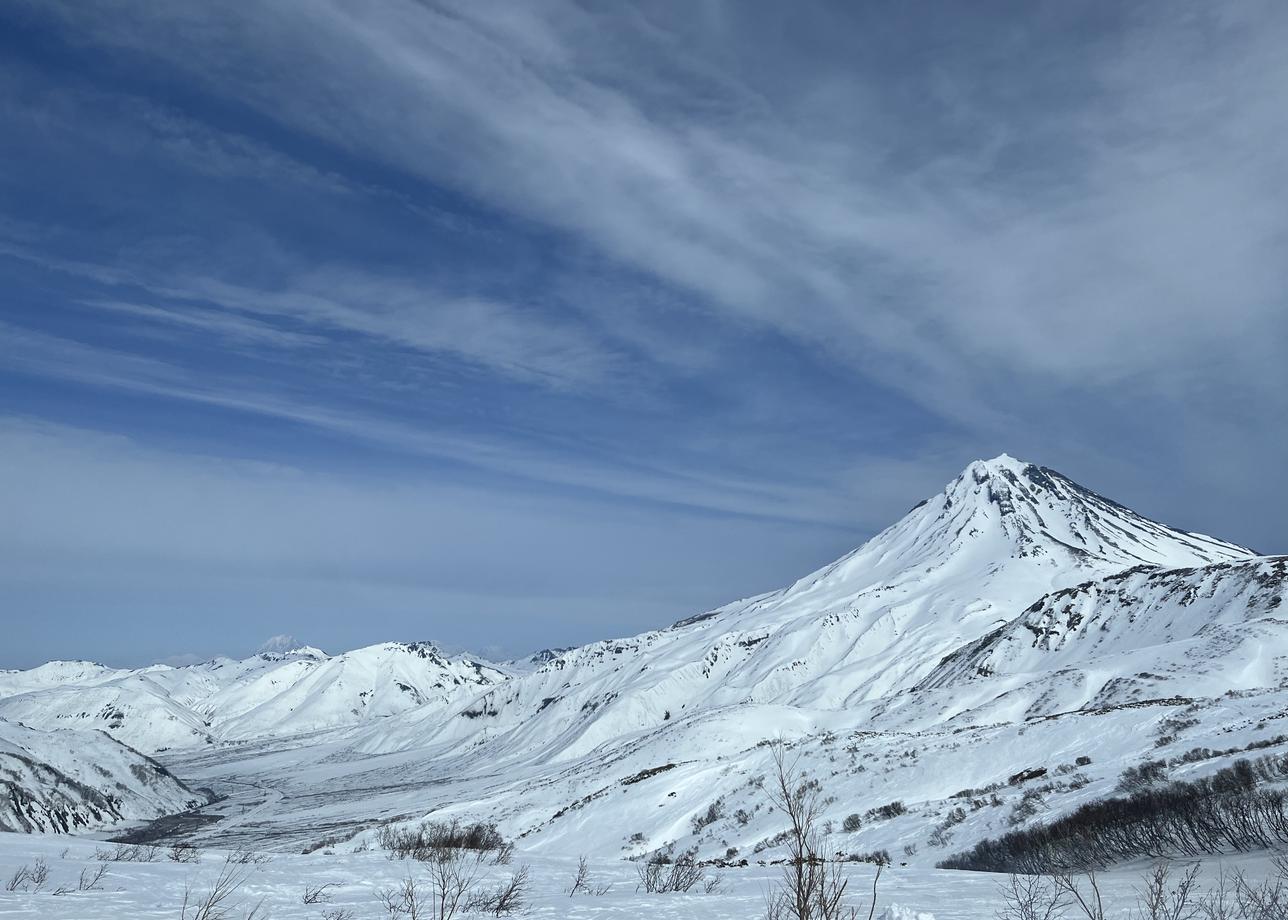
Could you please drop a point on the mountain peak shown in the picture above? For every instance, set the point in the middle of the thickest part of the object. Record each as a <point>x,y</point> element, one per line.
<point>1043,512</point>
<point>996,464</point>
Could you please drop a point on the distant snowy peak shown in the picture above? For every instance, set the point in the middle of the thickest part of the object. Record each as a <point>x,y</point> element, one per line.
<point>300,689</point>
<point>287,645</point>
<point>295,651</point>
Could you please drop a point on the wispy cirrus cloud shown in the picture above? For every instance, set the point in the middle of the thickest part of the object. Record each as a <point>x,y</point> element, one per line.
<point>503,337</point>
<point>785,215</point>
<point>859,500</point>
<point>217,322</point>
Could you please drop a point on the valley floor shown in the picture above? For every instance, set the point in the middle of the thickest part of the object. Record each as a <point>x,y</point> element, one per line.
<point>155,890</point>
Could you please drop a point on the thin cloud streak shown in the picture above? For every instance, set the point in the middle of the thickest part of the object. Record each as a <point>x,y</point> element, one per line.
<point>931,277</point>
<point>39,354</point>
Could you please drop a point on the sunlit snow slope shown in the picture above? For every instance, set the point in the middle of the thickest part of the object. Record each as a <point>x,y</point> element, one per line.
<point>224,700</point>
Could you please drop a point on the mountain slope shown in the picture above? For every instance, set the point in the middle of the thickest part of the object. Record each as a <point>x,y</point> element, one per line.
<point>274,693</point>
<point>871,624</point>
<point>65,781</point>
<point>1138,634</point>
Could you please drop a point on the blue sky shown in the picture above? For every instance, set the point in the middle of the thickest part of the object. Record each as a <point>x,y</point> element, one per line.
<point>511,325</point>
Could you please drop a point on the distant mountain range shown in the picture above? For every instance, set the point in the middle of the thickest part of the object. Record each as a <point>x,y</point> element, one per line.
<point>272,693</point>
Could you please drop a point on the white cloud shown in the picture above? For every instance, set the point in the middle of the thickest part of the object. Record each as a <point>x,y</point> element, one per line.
<point>1150,247</point>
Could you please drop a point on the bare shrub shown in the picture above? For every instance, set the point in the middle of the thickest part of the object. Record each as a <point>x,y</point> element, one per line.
<point>583,884</point>
<point>1083,894</point>
<point>812,887</point>
<point>1161,899</point>
<point>184,853</point>
<point>659,876</point>
<point>222,901</point>
<point>451,879</point>
<point>405,900</point>
<point>1267,900</point>
<point>889,810</point>
<point>714,812</point>
<point>581,878</point>
<point>1164,894</point>
<point>91,879</point>
<point>446,890</point>
<point>510,897</point>
<point>136,853</point>
<point>29,878</point>
<point>1032,897</point>
<point>503,855</point>
<point>424,841</point>
<point>244,856</point>
<point>1208,815</point>
<point>337,913</point>
<point>318,894</point>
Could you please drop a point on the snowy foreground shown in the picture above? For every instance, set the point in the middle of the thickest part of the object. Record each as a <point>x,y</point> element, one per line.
<point>139,891</point>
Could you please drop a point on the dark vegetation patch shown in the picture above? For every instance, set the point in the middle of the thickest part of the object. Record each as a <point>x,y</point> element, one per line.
<point>1215,814</point>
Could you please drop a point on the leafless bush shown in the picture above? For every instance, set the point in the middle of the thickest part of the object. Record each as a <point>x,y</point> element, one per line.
<point>222,901</point>
<point>337,913</point>
<point>1163,895</point>
<point>1162,899</point>
<point>91,879</point>
<point>580,879</point>
<point>659,877</point>
<point>29,878</point>
<point>812,887</point>
<point>318,894</point>
<point>405,900</point>
<point>136,853</point>
<point>451,880</point>
<point>424,841</point>
<point>1266,900</point>
<point>184,853</point>
<point>1032,897</point>
<point>244,856</point>
<point>503,854</point>
<point>449,887</point>
<point>583,884</point>
<point>1083,893</point>
<point>510,897</point>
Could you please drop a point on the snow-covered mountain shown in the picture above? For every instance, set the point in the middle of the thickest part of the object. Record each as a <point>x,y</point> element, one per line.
<point>1014,622</point>
<point>65,781</point>
<point>870,625</point>
<point>272,693</point>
